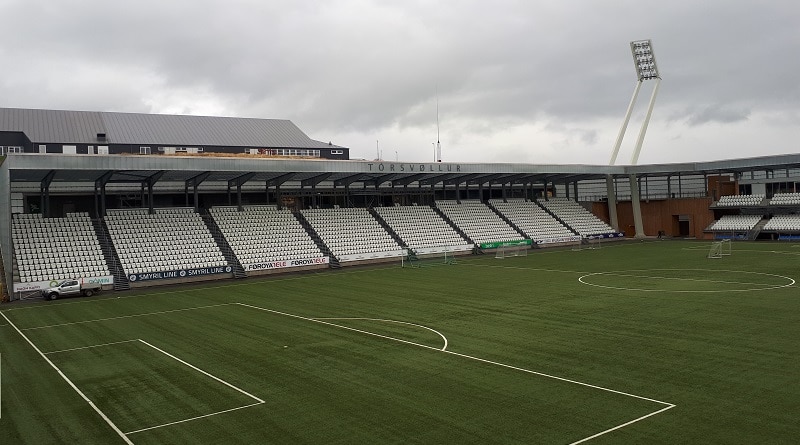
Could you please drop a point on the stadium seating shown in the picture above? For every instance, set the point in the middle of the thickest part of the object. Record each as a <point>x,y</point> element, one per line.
<point>783,223</point>
<point>263,234</point>
<point>785,199</point>
<point>352,234</point>
<point>577,217</point>
<point>537,224</point>
<point>168,240</point>
<point>741,200</point>
<point>53,249</point>
<point>422,229</point>
<point>735,222</point>
<point>478,221</point>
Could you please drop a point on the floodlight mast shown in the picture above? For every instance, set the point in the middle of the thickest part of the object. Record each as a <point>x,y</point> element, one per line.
<point>644,61</point>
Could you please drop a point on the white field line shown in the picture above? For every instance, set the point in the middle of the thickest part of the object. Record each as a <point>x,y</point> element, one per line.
<point>392,321</point>
<point>194,418</point>
<point>125,316</point>
<point>89,347</point>
<point>535,269</point>
<point>203,372</point>
<point>229,385</point>
<point>759,286</point>
<point>699,280</point>
<point>667,405</point>
<point>72,385</point>
<point>586,439</point>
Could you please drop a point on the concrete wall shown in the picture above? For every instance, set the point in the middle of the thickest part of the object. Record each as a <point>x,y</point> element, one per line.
<point>5,221</point>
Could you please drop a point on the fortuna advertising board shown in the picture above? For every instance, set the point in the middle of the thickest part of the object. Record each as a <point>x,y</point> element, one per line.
<point>283,264</point>
<point>181,273</point>
<point>40,285</point>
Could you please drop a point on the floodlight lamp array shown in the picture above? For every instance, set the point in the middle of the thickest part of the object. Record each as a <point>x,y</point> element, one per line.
<point>644,60</point>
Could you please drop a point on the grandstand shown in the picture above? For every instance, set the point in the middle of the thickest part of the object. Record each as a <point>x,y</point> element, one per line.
<point>538,225</point>
<point>265,238</point>
<point>784,223</point>
<point>741,200</point>
<point>423,230</point>
<point>785,199</point>
<point>164,214</point>
<point>352,234</point>
<point>54,249</point>
<point>735,223</point>
<point>578,218</point>
<point>169,243</point>
<point>478,222</point>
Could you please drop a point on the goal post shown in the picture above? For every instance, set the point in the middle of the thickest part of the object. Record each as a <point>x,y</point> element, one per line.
<point>412,259</point>
<point>720,249</point>
<point>512,251</point>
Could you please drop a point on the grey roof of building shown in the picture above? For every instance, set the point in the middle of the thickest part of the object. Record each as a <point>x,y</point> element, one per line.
<point>82,127</point>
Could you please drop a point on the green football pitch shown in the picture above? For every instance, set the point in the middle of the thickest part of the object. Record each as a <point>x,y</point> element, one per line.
<point>632,342</point>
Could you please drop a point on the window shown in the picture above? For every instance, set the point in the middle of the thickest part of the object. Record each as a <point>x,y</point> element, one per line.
<point>69,149</point>
<point>144,150</point>
<point>4,150</point>
<point>43,148</point>
<point>102,149</point>
<point>337,152</point>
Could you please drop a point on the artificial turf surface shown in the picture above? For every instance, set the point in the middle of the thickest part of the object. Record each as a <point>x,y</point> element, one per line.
<point>555,347</point>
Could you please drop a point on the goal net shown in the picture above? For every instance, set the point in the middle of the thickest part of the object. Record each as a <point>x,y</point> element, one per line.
<point>720,249</point>
<point>412,259</point>
<point>512,251</point>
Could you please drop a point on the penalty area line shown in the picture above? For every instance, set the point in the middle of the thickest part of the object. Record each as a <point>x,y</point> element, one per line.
<point>666,405</point>
<point>69,382</point>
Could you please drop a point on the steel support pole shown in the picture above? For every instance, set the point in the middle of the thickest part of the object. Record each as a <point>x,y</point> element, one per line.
<point>637,208</point>
<point>624,128</point>
<point>640,140</point>
<point>612,203</point>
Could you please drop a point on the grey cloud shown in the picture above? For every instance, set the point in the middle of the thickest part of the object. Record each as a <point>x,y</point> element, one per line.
<point>346,66</point>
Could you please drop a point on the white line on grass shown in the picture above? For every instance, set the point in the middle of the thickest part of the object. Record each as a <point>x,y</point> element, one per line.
<point>88,347</point>
<point>75,388</point>
<point>126,316</point>
<point>667,405</point>
<point>699,280</point>
<point>791,281</point>
<point>193,418</point>
<point>391,321</point>
<point>526,268</point>
<point>203,372</point>
<point>586,439</point>
<point>258,401</point>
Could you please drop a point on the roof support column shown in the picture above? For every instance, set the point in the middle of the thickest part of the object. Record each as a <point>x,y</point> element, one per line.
<point>566,190</point>
<point>612,202</point>
<point>150,181</point>
<point>238,182</point>
<point>575,190</point>
<point>100,194</point>
<point>44,189</point>
<point>637,207</point>
<point>195,181</point>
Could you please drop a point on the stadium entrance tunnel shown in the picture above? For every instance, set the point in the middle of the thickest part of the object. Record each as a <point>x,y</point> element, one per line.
<point>686,280</point>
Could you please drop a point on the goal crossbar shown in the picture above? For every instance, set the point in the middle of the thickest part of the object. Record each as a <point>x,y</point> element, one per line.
<point>720,249</point>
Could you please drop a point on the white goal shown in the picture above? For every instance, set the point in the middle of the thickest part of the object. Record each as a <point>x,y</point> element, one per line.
<point>512,251</point>
<point>411,259</point>
<point>720,249</point>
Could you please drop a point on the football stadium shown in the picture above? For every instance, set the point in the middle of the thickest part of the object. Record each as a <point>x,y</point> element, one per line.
<point>194,279</point>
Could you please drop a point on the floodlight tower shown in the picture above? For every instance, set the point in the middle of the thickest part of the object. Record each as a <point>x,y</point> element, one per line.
<point>644,60</point>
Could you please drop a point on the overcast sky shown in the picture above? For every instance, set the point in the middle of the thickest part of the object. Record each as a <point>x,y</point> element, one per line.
<point>516,81</point>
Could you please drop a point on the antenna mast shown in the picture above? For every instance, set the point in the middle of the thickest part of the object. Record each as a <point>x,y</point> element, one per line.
<point>438,144</point>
